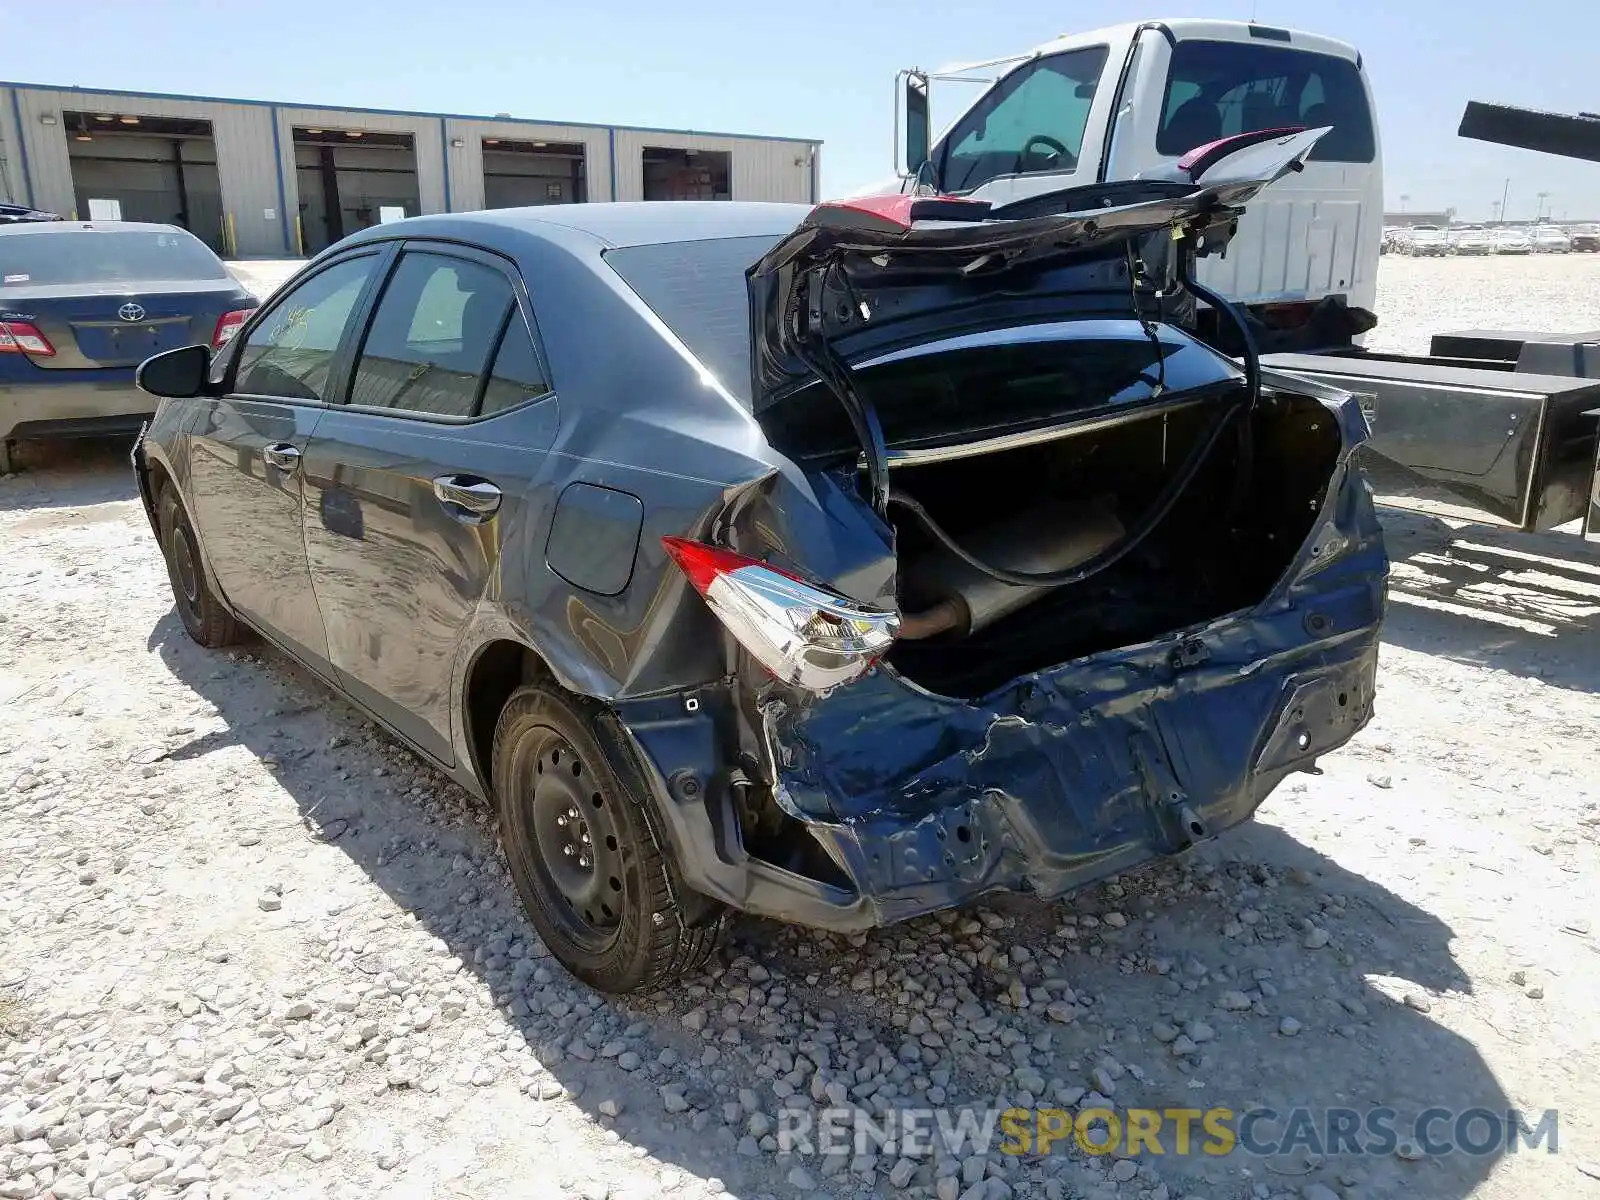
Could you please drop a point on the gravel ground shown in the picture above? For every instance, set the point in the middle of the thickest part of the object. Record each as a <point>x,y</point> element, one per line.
<point>252,948</point>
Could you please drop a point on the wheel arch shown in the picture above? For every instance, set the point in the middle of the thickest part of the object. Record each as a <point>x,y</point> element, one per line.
<point>494,671</point>
<point>154,473</point>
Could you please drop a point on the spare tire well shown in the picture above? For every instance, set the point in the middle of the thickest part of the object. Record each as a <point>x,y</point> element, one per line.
<point>499,670</point>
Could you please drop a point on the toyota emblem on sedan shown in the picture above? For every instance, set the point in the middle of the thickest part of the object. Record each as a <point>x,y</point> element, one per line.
<point>131,312</point>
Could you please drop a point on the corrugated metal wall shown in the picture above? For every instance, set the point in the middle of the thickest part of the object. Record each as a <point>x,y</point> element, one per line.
<point>256,164</point>
<point>466,160</point>
<point>762,170</point>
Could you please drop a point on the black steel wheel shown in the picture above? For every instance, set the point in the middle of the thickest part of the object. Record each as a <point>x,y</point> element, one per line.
<point>202,614</point>
<point>589,864</point>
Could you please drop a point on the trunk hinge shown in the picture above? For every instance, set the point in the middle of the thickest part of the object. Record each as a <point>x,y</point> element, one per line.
<point>814,350</point>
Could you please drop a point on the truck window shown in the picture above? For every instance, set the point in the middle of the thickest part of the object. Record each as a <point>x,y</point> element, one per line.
<point>1029,123</point>
<point>1219,89</point>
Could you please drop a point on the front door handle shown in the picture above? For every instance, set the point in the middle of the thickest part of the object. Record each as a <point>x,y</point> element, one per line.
<point>281,455</point>
<point>476,496</point>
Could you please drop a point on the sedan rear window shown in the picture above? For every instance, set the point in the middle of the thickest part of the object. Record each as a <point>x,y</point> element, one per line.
<point>105,256</point>
<point>1219,89</point>
<point>698,290</point>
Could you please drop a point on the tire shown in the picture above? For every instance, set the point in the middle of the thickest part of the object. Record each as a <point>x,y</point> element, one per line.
<point>202,614</point>
<point>585,849</point>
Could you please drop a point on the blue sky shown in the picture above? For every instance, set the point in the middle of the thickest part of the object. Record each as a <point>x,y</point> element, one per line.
<point>823,69</point>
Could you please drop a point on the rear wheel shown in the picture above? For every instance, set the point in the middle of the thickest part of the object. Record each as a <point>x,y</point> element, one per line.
<point>202,614</point>
<point>592,870</point>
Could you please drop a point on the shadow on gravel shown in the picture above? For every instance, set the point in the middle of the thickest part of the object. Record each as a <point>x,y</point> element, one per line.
<point>1524,603</point>
<point>69,474</point>
<point>1230,918</point>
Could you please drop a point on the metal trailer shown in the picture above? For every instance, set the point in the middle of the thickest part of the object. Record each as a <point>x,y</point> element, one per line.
<point>1507,420</point>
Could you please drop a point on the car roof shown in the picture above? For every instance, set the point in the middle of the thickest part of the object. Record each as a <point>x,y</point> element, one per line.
<point>39,228</point>
<point>642,223</point>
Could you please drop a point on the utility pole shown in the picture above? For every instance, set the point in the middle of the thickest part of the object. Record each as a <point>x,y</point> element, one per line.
<point>1505,196</point>
<point>1404,200</point>
<point>1498,206</point>
<point>1538,214</point>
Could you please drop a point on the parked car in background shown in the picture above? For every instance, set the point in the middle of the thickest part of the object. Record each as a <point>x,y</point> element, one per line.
<point>1426,241</point>
<point>1585,237</point>
<point>1511,240</point>
<point>1550,239</point>
<point>82,304</point>
<point>810,595</point>
<point>1471,240</point>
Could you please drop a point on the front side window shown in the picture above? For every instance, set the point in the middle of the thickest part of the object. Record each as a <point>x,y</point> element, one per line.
<point>1221,89</point>
<point>431,336</point>
<point>290,353</point>
<point>1031,122</point>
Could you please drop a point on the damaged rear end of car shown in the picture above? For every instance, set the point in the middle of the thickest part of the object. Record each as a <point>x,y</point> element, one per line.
<point>1046,586</point>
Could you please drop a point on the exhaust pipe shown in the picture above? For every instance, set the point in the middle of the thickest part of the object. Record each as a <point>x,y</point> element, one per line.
<point>960,599</point>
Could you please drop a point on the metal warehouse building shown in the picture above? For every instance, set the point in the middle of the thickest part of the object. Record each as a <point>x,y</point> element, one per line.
<point>254,178</point>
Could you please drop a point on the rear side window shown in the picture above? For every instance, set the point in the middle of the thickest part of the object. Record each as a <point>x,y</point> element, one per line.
<point>102,256</point>
<point>1220,89</point>
<point>1030,123</point>
<point>431,336</point>
<point>291,351</point>
<point>698,290</point>
<point>517,374</point>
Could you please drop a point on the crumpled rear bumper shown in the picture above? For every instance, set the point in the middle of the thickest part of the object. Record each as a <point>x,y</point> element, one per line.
<point>1058,779</point>
<point>1064,778</point>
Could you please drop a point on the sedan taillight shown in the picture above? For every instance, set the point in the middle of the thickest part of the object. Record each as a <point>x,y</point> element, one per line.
<point>228,324</point>
<point>804,634</point>
<point>20,337</point>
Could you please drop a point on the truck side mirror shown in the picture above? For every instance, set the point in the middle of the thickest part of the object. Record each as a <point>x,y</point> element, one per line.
<point>915,123</point>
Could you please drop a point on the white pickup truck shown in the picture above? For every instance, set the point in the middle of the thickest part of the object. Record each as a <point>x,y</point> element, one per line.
<point>1506,420</point>
<point>1117,103</point>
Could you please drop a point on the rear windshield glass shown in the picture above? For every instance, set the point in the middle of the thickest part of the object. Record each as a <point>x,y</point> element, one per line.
<point>102,256</point>
<point>1218,89</point>
<point>698,290</point>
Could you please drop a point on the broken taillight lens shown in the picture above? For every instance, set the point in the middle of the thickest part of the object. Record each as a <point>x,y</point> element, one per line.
<point>804,634</point>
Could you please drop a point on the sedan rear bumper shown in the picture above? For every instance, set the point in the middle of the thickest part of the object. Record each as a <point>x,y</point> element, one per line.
<point>1062,779</point>
<point>74,408</point>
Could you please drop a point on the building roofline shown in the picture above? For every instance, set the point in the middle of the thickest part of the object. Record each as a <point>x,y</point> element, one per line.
<point>397,112</point>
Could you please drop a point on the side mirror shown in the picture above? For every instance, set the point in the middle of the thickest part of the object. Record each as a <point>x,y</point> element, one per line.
<point>178,374</point>
<point>915,121</point>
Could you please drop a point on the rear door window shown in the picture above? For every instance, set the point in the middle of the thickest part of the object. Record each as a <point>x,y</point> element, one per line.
<point>1031,122</point>
<point>290,351</point>
<point>517,374</point>
<point>1220,89</point>
<point>437,323</point>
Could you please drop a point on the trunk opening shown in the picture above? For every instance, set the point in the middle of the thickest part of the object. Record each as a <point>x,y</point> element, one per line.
<point>1052,505</point>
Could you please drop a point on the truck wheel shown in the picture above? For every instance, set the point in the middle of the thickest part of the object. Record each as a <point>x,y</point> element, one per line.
<point>585,853</point>
<point>202,614</point>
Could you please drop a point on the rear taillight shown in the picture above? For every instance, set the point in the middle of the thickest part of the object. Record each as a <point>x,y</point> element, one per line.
<point>227,325</point>
<point>20,337</point>
<point>804,634</point>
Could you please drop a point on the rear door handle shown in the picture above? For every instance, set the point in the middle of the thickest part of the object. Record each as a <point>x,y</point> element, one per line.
<point>478,497</point>
<point>281,455</point>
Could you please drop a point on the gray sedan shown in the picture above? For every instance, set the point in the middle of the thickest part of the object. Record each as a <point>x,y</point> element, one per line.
<point>836,564</point>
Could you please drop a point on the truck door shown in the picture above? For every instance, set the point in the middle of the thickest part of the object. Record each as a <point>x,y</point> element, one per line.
<point>1038,129</point>
<point>1314,234</point>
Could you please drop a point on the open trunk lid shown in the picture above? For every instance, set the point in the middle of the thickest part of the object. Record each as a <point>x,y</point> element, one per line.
<point>863,278</point>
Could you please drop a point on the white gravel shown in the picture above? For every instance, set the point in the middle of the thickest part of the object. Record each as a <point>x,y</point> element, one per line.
<point>248,947</point>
